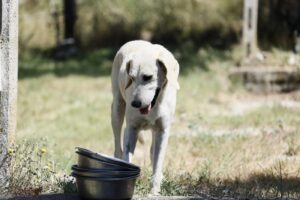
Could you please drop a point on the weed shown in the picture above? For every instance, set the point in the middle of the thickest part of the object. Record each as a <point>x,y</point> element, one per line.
<point>31,170</point>
<point>293,147</point>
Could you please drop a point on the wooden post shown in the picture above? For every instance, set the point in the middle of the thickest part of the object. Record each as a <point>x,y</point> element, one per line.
<point>250,27</point>
<point>8,79</point>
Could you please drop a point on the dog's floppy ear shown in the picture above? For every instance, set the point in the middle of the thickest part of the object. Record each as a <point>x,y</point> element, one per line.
<point>170,67</point>
<point>128,67</point>
<point>163,68</point>
<point>162,65</point>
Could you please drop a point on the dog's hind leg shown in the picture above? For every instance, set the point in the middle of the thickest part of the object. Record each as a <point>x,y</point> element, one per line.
<point>117,118</point>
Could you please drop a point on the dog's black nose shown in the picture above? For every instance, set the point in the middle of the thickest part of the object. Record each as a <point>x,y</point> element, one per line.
<point>136,104</point>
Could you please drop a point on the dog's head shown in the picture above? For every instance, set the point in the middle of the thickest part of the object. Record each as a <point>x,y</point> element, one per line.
<point>147,75</point>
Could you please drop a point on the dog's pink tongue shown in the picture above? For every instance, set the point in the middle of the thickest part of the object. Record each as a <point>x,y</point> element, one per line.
<point>145,110</point>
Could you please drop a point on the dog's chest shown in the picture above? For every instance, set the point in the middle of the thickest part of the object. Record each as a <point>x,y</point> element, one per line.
<point>150,121</point>
<point>143,121</point>
<point>147,122</point>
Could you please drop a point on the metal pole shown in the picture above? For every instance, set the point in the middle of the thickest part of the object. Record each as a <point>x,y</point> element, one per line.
<point>250,27</point>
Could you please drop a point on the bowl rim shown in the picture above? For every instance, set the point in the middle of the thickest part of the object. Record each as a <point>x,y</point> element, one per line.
<point>104,178</point>
<point>104,158</point>
<point>93,175</point>
<point>117,165</point>
<point>103,170</point>
<point>91,157</point>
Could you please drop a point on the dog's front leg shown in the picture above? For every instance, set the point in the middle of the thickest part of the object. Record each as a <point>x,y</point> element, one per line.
<point>117,118</point>
<point>159,146</point>
<point>129,142</point>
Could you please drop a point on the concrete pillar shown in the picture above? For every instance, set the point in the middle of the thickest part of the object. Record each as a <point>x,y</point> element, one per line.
<point>8,83</point>
<point>250,27</point>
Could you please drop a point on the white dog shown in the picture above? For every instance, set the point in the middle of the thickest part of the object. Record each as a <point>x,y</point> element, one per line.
<point>144,86</point>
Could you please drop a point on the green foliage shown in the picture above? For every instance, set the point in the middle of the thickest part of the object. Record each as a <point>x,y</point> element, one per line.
<point>112,22</point>
<point>280,17</point>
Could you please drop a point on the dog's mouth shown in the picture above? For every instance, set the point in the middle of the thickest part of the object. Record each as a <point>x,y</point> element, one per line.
<point>147,109</point>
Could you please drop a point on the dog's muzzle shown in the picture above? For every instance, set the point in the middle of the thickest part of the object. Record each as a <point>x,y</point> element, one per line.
<point>148,108</point>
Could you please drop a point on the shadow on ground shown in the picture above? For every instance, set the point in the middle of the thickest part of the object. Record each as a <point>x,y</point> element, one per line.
<point>75,197</point>
<point>36,63</point>
<point>191,57</point>
<point>49,197</point>
<point>258,185</point>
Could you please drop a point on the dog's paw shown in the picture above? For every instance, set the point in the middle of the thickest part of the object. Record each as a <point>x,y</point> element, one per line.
<point>118,154</point>
<point>151,194</point>
<point>154,192</point>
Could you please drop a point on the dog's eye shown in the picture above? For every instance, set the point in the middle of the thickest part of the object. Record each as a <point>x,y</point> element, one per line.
<point>147,77</point>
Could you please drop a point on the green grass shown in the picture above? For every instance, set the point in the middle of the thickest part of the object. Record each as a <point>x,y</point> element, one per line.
<point>68,103</point>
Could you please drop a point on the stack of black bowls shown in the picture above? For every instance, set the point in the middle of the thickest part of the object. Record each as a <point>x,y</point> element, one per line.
<point>102,177</point>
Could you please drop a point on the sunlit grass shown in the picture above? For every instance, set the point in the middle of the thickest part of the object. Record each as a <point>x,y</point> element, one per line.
<point>70,106</point>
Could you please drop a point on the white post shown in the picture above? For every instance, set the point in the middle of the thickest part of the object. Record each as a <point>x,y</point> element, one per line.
<point>250,27</point>
<point>8,78</point>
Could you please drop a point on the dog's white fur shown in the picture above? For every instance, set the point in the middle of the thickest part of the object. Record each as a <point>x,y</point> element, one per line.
<point>132,62</point>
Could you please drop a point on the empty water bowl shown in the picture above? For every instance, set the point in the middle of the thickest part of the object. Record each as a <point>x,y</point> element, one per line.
<point>103,177</point>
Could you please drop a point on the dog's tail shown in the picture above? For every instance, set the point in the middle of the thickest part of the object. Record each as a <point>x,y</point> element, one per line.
<point>141,137</point>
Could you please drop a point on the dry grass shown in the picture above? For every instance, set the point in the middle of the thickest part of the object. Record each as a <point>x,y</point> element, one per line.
<point>213,150</point>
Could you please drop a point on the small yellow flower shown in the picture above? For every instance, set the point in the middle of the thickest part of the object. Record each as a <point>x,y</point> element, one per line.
<point>10,152</point>
<point>43,150</point>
